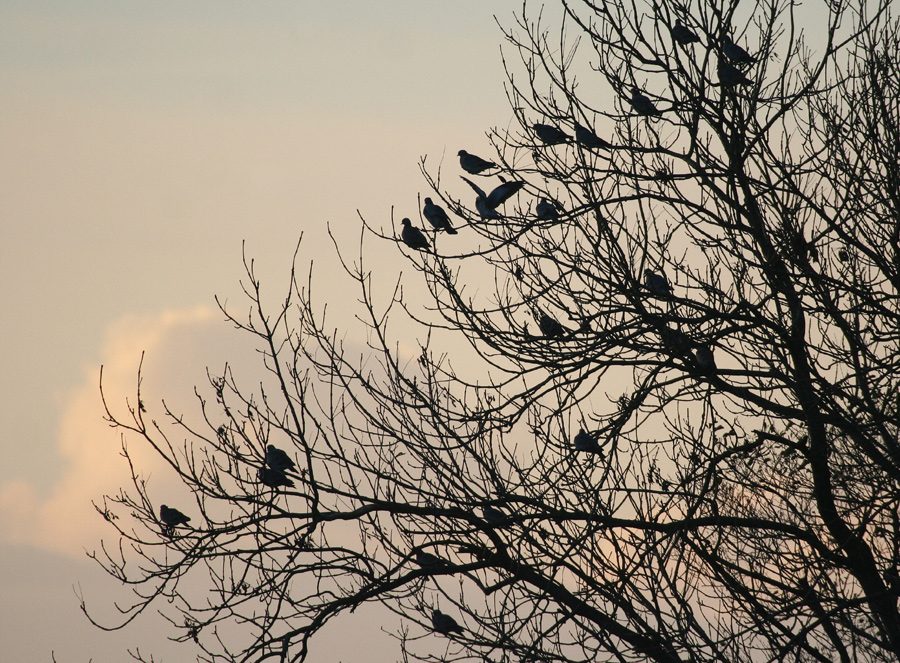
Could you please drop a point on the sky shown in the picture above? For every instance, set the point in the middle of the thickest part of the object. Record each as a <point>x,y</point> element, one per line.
<point>143,147</point>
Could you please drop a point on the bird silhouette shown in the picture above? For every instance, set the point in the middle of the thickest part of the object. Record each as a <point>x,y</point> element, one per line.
<point>444,624</point>
<point>549,134</point>
<point>735,53</point>
<point>705,358</point>
<point>412,236</point>
<point>428,561</point>
<point>731,75</point>
<point>641,103</point>
<point>172,518</point>
<point>586,442</point>
<point>494,516</point>
<point>279,460</point>
<point>474,164</point>
<point>546,210</point>
<point>437,217</point>
<point>274,478</point>
<point>589,139</point>
<point>495,198</point>
<point>683,34</point>
<point>550,327</point>
<point>657,284</point>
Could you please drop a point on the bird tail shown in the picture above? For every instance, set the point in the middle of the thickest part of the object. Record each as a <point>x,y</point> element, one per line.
<point>451,230</point>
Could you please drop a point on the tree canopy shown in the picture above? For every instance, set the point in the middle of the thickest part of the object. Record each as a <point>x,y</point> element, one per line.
<point>653,413</point>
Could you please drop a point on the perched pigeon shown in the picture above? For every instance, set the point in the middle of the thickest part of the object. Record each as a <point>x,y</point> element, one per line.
<point>546,211</point>
<point>444,624</point>
<point>586,442</point>
<point>474,164</point>
<point>172,518</point>
<point>495,198</point>
<point>657,284</point>
<point>428,561</point>
<point>550,327</point>
<point>274,478</point>
<point>278,460</point>
<point>412,236</point>
<point>641,103</point>
<point>731,75</point>
<point>705,358</point>
<point>494,517</point>
<point>437,217</point>
<point>589,139</point>
<point>549,134</point>
<point>735,53</point>
<point>683,34</point>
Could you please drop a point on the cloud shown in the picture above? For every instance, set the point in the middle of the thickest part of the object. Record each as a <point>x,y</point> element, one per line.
<point>177,346</point>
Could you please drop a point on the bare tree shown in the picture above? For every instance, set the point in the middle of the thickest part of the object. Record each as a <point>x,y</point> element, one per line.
<point>654,410</point>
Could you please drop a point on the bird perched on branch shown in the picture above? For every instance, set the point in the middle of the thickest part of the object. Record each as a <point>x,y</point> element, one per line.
<point>546,210</point>
<point>683,34</point>
<point>413,237</point>
<point>589,139</point>
<point>550,327</point>
<point>586,442</point>
<point>486,204</point>
<point>731,75</point>
<point>274,478</point>
<point>474,164</point>
<point>705,358</point>
<point>641,103</point>
<point>494,516</point>
<point>172,518</point>
<point>444,624</point>
<point>549,134</point>
<point>428,561</point>
<point>437,217</point>
<point>735,53</point>
<point>657,284</point>
<point>279,460</point>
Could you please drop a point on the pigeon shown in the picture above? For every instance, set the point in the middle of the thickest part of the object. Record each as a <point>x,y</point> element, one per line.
<point>676,341</point>
<point>843,255</point>
<point>731,75</point>
<point>474,164</point>
<point>444,624</point>
<point>641,103</point>
<point>589,139</point>
<point>495,198</point>
<point>172,518</point>
<point>657,284</point>
<point>546,211</point>
<point>683,34</point>
<point>735,53</point>
<point>494,517</point>
<point>586,442</point>
<point>549,134</point>
<point>705,358</point>
<point>274,478</point>
<point>412,236</point>
<point>437,217</point>
<point>484,211</point>
<point>278,460</point>
<point>428,561</point>
<point>550,327</point>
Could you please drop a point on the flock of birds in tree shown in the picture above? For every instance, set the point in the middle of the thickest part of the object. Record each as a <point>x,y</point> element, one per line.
<point>275,471</point>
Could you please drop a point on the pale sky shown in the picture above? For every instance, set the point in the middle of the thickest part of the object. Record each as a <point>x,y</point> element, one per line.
<point>140,144</point>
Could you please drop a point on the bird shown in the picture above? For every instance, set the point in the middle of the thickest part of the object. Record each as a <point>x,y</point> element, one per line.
<point>444,624</point>
<point>485,211</point>
<point>550,327</point>
<point>495,198</point>
<point>586,442</point>
<point>589,139</point>
<point>274,478</point>
<point>705,358</point>
<point>683,34</point>
<point>494,516</point>
<point>279,460</point>
<point>736,53</point>
<point>437,217</point>
<point>412,236</point>
<point>731,75</point>
<point>474,164</point>
<point>172,518</point>
<point>546,210</point>
<point>641,103</point>
<point>657,284</point>
<point>428,561</point>
<point>549,134</point>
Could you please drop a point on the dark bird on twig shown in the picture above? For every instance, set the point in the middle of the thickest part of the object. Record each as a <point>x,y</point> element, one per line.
<point>494,517</point>
<point>589,139</point>
<point>641,103</point>
<point>495,198</point>
<point>735,53</point>
<point>546,210</point>
<point>550,327</point>
<point>279,460</point>
<point>683,34</point>
<point>657,284</point>
<point>172,518</point>
<point>549,134</point>
<point>428,561</point>
<point>705,358</point>
<point>412,236</point>
<point>586,442</point>
<point>731,75</point>
<point>274,478</point>
<point>474,164</point>
<point>444,624</point>
<point>437,217</point>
